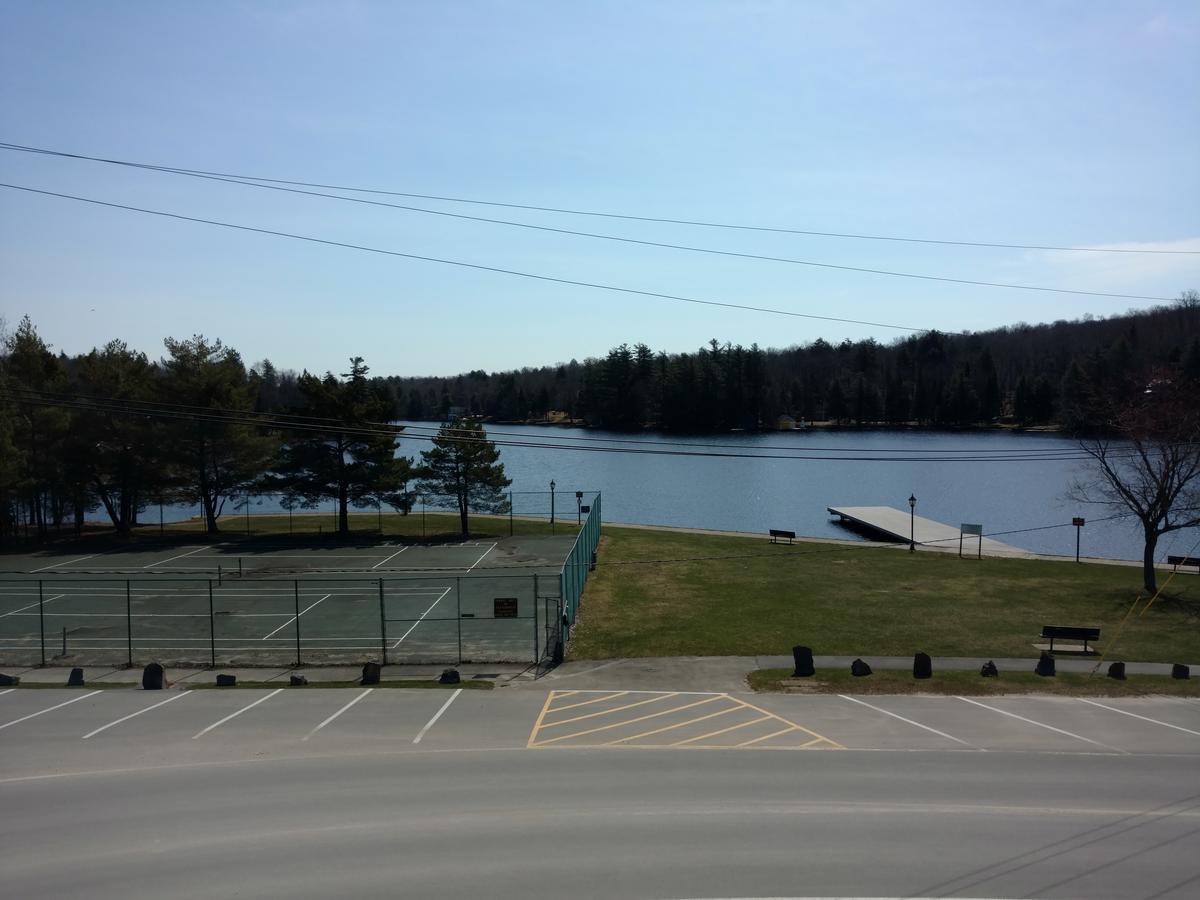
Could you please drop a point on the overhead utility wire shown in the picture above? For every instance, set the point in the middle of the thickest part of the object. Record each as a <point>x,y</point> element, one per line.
<point>255,420</point>
<point>646,243</point>
<point>465,265</point>
<point>602,215</point>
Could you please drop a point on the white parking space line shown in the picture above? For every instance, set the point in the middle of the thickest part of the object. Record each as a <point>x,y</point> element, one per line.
<point>49,709</point>
<point>8,691</point>
<point>234,715</point>
<point>420,620</point>
<point>490,548</point>
<point>31,606</point>
<point>909,721</point>
<point>338,713</point>
<point>96,731</point>
<point>1070,734</point>
<point>390,558</point>
<point>180,556</point>
<point>69,562</point>
<point>437,715</point>
<point>295,617</point>
<point>1136,716</point>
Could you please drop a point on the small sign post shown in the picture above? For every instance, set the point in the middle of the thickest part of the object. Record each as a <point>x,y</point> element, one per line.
<point>968,528</point>
<point>1078,523</point>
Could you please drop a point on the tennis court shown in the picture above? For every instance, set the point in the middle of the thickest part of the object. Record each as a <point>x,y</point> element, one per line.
<point>242,604</point>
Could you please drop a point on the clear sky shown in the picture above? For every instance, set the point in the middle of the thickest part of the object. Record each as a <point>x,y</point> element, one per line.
<point>1050,123</point>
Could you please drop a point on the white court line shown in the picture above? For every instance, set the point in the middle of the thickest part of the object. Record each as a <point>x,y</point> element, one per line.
<point>490,548</point>
<point>1042,725</point>
<point>133,715</point>
<point>336,714</point>
<point>69,562</point>
<point>50,709</point>
<point>420,620</point>
<point>234,715</point>
<point>1136,716</point>
<point>909,721</point>
<point>295,617</point>
<point>31,606</point>
<point>437,715</point>
<point>180,556</point>
<point>390,558</point>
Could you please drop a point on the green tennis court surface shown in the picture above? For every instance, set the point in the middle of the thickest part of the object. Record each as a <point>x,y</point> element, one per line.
<point>279,604</point>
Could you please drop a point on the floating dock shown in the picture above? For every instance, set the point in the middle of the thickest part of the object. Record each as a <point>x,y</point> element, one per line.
<point>895,525</point>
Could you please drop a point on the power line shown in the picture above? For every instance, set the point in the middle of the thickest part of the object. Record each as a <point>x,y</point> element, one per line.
<point>625,240</point>
<point>465,265</point>
<point>603,215</point>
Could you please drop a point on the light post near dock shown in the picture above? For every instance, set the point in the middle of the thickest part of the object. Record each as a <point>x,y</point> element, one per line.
<point>552,506</point>
<point>912,524</point>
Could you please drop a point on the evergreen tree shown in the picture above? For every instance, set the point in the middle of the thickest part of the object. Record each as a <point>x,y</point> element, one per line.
<point>464,464</point>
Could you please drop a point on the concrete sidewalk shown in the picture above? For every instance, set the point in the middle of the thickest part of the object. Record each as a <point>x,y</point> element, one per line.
<point>673,673</point>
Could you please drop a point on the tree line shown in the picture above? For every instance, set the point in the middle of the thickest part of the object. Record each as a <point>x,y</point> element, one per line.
<point>1023,374</point>
<point>114,431</point>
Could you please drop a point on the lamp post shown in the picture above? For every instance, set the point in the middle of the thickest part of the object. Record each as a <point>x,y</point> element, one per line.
<point>579,507</point>
<point>912,524</point>
<point>552,506</point>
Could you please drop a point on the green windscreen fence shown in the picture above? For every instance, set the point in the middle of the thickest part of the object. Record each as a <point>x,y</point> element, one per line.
<point>578,564</point>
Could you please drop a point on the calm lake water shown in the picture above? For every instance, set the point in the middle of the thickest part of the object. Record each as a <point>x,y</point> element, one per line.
<point>1026,491</point>
<point>739,494</point>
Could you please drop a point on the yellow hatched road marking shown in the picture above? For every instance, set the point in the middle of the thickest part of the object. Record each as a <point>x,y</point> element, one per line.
<point>605,712</point>
<point>663,712</point>
<point>538,723</point>
<point>720,712</point>
<point>721,731</point>
<point>767,737</point>
<point>586,702</point>
<point>819,737</point>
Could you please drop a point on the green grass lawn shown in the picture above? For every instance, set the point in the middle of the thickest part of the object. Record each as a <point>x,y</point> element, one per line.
<point>747,597</point>
<point>840,681</point>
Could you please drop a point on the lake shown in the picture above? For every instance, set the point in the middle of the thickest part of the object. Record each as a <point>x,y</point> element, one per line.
<point>741,494</point>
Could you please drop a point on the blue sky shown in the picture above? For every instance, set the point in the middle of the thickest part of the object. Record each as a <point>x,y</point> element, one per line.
<point>1058,123</point>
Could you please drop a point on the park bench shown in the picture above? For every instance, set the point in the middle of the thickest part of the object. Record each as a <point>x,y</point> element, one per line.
<point>778,534</point>
<point>1071,633</point>
<point>1178,561</point>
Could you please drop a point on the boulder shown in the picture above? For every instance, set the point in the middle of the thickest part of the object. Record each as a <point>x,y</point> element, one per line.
<point>226,680</point>
<point>75,679</point>
<point>449,676</point>
<point>1045,665</point>
<point>153,677</point>
<point>1180,671</point>
<point>989,670</point>
<point>1117,671</point>
<point>858,668</point>
<point>9,680</point>
<point>803,658</point>
<point>299,681</point>
<point>371,673</point>
<point>922,666</point>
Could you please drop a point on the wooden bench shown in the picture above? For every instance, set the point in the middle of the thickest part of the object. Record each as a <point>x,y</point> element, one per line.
<point>1178,561</point>
<point>1071,633</point>
<point>777,534</point>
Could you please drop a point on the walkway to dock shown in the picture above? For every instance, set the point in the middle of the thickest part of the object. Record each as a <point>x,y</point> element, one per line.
<point>895,524</point>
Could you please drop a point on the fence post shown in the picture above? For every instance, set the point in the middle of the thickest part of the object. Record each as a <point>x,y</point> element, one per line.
<point>422,517</point>
<point>535,619</point>
<point>128,625</point>
<point>510,513</point>
<point>382,624</point>
<point>458,610</point>
<point>212,629</point>
<point>42,620</point>
<point>296,595</point>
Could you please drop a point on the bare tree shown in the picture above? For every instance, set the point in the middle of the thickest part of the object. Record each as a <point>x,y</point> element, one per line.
<point>1151,467</point>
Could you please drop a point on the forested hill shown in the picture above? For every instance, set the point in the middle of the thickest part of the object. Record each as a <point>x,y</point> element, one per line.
<point>1025,374</point>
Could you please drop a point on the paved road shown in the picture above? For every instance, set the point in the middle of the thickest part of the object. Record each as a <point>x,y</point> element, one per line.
<point>322,793</point>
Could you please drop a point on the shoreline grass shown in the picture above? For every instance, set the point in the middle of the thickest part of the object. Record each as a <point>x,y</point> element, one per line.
<point>681,594</point>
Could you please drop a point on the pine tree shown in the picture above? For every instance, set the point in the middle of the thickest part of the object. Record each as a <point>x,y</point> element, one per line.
<point>464,464</point>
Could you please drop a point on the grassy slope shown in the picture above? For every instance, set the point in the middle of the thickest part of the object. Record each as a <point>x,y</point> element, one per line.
<point>763,598</point>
